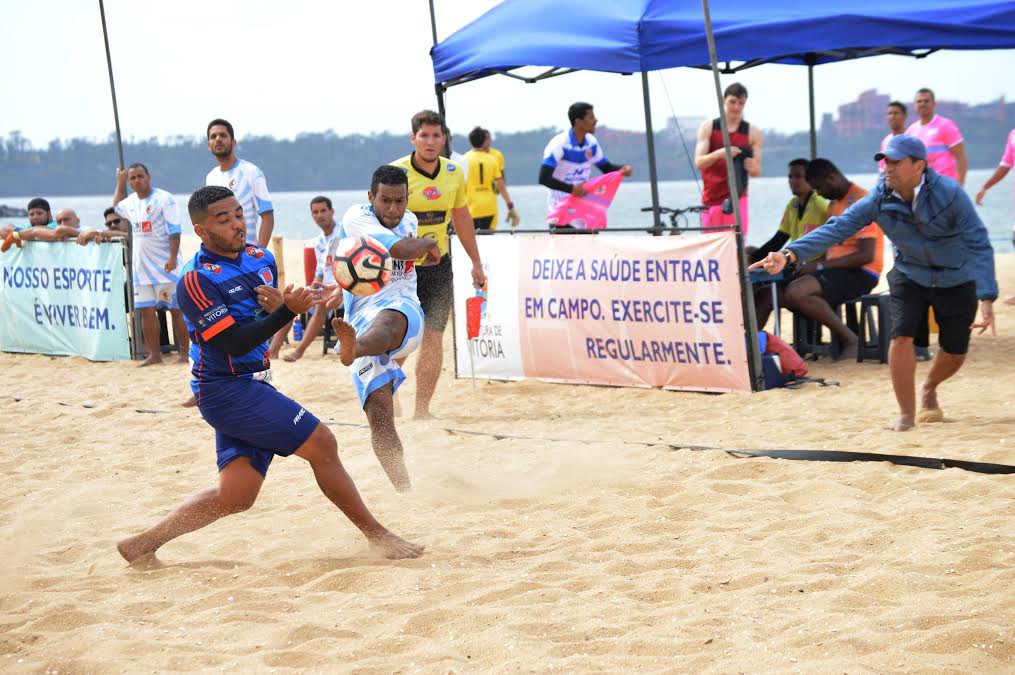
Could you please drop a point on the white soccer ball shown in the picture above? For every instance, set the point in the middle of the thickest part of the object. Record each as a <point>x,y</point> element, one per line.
<point>362,265</point>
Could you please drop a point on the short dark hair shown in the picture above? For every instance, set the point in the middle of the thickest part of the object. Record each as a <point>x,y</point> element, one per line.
<point>108,211</point>
<point>204,197</point>
<point>386,174</point>
<point>577,111</point>
<point>139,165</point>
<point>898,104</point>
<point>820,169</point>
<point>800,161</point>
<point>219,122</point>
<point>478,136</point>
<point>735,89</point>
<point>321,199</point>
<point>424,117</point>
<point>925,90</point>
<point>39,203</point>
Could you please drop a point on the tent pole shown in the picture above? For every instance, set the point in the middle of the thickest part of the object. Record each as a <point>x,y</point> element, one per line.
<point>653,178</point>
<point>438,88</point>
<point>746,291</point>
<point>810,98</point>
<point>135,316</point>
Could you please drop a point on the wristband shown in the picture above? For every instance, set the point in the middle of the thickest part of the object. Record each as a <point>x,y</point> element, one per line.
<point>511,206</point>
<point>787,254</point>
<point>820,266</point>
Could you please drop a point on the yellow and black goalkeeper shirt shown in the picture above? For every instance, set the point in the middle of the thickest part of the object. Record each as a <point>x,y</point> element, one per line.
<point>433,196</point>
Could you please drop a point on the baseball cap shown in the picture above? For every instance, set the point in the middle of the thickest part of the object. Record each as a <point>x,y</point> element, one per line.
<point>901,146</point>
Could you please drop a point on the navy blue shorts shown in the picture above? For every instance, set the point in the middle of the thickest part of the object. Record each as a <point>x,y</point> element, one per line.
<point>252,419</point>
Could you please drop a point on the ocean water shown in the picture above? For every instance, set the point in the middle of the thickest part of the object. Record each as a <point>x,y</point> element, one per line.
<point>768,198</point>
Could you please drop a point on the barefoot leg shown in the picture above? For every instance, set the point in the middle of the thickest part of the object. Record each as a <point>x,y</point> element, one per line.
<point>321,451</point>
<point>150,334</point>
<point>346,335</point>
<point>239,484</point>
<point>902,365</point>
<point>942,367</point>
<point>384,437</point>
<point>182,337</point>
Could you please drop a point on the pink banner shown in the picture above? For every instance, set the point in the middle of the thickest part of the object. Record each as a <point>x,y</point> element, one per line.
<point>588,212</point>
<point>635,311</point>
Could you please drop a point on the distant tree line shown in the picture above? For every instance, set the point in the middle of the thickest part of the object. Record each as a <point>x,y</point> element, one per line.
<point>322,161</point>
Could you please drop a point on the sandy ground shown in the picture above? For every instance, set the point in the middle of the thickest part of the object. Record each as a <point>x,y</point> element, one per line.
<point>567,535</point>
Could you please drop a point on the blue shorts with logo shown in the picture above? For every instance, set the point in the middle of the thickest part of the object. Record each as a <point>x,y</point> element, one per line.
<point>253,419</point>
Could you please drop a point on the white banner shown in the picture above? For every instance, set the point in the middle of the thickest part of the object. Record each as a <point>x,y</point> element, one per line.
<point>64,299</point>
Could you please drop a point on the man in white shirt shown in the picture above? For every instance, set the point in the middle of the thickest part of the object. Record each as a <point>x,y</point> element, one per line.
<point>324,215</point>
<point>155,219</point>
<point>381,330</point>
<point>245,180</point>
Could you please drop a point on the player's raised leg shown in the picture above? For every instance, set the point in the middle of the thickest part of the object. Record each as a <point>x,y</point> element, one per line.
<point>238,486</point>
<point>321,451</point>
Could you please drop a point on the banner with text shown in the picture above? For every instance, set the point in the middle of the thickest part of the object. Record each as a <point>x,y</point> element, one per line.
<point>64,299</point>
<point>634,311</point>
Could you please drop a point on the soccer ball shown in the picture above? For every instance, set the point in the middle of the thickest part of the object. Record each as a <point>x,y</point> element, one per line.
<point>362,265</point>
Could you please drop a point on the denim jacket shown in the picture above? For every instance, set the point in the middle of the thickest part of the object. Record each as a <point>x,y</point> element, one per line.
<point>944,243</point>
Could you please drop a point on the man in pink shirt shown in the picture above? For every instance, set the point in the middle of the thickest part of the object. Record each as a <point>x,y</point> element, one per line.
<point>946,152</point>
<point>1007,161</point>
<point>896,116</point>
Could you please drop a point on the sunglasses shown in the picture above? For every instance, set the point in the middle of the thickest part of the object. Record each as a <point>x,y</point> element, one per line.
<point>113,221</point>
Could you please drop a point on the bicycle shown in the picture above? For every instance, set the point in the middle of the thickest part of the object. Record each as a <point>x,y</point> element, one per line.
<point>679,219</point>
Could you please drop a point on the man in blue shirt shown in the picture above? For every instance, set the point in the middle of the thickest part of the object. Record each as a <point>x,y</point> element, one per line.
<point>229,297</point>
<point>943,259</point>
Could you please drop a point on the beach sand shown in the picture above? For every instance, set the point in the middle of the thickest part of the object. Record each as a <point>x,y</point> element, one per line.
<point>567,534</point>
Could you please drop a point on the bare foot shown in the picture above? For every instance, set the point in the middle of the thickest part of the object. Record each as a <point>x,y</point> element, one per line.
<point>183,359</point>
<point>393,547</point>
<point>294,355</point>
<point>346,335</point>
<point>930,409</point>
<point>904,423</point>
<point>190,402</point>
<point>1010,301</point>
<point>151,361</point>
<point>423,415</point>
<point>848,351</point>
<point>132,549</point>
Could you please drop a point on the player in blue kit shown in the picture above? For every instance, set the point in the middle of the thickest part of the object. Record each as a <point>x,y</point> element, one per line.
<point>384,328</point>
<point>229,297</point>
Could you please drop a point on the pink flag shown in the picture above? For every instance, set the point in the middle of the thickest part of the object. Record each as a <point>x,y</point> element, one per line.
<point>588,212</point>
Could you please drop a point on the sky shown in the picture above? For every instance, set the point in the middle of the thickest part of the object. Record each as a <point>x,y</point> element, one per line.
<point>283,68</point>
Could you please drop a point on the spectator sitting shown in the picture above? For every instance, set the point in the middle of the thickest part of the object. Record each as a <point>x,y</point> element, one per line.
<point>116,228</point>
<point>804,212</point>
<point>40,226</point>
<point>847,270</point>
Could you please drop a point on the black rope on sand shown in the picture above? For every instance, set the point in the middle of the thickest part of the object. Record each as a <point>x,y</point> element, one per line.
<point>798,455</point>
<point>794,455</point>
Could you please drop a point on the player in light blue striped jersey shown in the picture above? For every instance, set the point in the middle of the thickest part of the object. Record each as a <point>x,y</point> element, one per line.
<point>155,223</point>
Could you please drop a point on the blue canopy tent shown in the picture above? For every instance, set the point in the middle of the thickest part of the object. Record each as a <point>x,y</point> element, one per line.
<point>628,36</point>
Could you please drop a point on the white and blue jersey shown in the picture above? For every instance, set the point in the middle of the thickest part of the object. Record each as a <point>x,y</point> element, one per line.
<point>153,220</point>
<point>323,252</point>
<point>215,293</point>
<point>251,189</point>
<point>370,373</point>
<point>571,162</point>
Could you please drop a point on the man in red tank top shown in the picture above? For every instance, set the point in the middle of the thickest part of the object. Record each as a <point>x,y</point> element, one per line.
<point>710,158</point>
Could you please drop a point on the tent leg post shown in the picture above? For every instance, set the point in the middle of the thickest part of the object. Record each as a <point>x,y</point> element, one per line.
<point>750,321</point>
<point>810,98</point>
<point>650,142</point>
